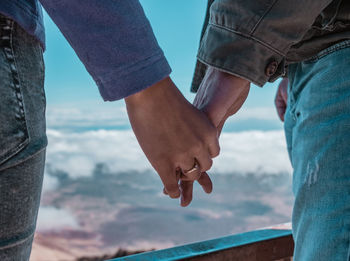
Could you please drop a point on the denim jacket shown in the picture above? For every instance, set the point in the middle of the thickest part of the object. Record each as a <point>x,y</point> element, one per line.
<point>256,40</point>
<point>113,39</point>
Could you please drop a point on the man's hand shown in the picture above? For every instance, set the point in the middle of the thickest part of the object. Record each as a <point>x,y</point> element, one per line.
<point>221,95</point>
<point>174,135</point>
<point>282,98</point>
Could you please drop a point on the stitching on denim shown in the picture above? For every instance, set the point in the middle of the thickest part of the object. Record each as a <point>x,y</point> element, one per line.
<point>328,50</point>
<point>239,74</point>
<point>17,240</point>
<point>7,40</point>
<point>262,17</point>
<point>16,78</point>
<point>15,164</point>
<point>249,37</point>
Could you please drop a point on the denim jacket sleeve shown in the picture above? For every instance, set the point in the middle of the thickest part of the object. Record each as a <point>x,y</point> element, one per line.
<point>115,42</point>
<point>250,38</point>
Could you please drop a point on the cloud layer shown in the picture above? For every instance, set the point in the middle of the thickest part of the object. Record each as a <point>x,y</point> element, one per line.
<point>77,154</point>
<point>100,182</point>
<point>54,219</point>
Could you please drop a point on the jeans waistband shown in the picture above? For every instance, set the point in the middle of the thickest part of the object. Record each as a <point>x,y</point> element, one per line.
<point>328,50</point>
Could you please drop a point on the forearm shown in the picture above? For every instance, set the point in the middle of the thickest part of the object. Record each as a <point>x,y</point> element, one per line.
<point>221,95</point>
<point>115,42</point>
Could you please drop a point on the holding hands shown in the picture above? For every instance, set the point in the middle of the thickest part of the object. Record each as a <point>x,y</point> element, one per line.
<point>175,136</point>
<point>219,96</point>
<point>180,139</point>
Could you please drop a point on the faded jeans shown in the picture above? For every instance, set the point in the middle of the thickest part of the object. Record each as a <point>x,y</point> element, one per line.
<point>317,127</point>
<point>22,139</point>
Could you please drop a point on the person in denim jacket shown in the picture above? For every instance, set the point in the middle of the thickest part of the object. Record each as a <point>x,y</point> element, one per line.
<point>308,43</point>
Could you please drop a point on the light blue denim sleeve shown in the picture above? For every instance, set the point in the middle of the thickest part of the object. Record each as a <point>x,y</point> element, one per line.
<point>115,42</point>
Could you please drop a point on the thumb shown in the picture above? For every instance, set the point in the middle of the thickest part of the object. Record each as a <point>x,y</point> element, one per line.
<point>280,104</point>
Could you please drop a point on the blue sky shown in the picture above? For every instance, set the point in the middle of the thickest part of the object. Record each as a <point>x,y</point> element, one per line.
<point>177,26</point>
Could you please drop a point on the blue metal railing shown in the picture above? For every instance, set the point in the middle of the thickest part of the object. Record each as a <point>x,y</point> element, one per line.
<point>265,244</point>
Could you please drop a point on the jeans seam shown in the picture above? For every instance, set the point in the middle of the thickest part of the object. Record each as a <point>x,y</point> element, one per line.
<point>250,37</point>
<point>21,161</point>
<point>263,16</point>
<point>329,50</point>
<point>16,77</point>
<point>240,74</point>
<point>7,39</point>
<point>19,241</point>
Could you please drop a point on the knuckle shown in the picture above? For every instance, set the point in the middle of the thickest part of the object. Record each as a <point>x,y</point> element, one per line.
<point>197,149</point>
<point>216,151</point>
<point>207,165</point>
<point>193,176</point>
<point>213,133</point>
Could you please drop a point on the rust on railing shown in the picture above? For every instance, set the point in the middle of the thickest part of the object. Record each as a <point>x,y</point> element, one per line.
<point>259,245</point>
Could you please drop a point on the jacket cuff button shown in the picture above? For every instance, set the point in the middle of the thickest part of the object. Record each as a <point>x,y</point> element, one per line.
<point>271,68</point>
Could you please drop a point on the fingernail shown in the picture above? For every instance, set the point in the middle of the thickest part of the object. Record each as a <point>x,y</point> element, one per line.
<point>208,190</point>
<point>178,194</point>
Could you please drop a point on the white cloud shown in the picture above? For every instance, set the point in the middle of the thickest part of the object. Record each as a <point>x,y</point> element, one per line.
<point>260,113</point>
<point>147,244</point>
<point>207,213</point>
<point>254,152</point>
<point>78,153</point>
<point>115,115</point>
<point>50,183</point>
<point>51,218</point>
<point>87,115</point>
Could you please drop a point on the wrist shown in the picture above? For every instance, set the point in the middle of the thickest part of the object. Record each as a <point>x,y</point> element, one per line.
<point>230,89</point>
<point>156,97</point>
<point>221,95</point>
<point>151,93</point>
<point>220,76</point>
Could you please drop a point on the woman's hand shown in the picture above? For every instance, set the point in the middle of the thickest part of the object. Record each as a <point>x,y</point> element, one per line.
<point>174,136</point>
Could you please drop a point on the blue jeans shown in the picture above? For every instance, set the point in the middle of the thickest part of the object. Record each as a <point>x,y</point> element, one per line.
<point>22,139</point>
<point>317,127</point>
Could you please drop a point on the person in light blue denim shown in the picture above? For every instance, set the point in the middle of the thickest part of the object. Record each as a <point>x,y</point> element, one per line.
<point>316,114</point>
<point>317,127</point>
<point>307,42</point>
<point>115,42</point>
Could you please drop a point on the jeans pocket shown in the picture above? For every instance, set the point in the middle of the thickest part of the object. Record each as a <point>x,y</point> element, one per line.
<point>13,127</point>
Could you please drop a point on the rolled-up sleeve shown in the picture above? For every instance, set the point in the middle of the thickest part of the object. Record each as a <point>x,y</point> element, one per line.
<point>115,42</point>
<point>251,39</point>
